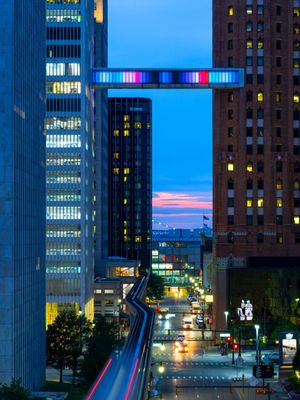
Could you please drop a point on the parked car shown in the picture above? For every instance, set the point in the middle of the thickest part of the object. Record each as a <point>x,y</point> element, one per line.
<point>271,358</point>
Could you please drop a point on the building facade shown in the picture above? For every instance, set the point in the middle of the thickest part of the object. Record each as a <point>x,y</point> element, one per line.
<point>176,254</point>
<point>130,178</point>
<point>22,194</point>
<point>256,155</point>
<point>75,29</point>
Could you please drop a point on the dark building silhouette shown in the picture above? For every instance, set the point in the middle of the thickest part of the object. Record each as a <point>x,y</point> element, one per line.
<point>130,178</point>
<point>256,156</point>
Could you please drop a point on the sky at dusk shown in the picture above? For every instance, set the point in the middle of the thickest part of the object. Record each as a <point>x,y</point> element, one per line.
<point>171,33</point>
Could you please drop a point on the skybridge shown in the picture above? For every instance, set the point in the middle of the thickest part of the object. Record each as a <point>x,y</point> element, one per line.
<point>193,78</point>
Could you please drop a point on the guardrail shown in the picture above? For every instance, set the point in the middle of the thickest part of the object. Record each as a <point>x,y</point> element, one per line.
<point>124,377</point>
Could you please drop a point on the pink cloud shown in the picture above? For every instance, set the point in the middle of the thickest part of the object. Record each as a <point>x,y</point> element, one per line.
<point>169,200</point>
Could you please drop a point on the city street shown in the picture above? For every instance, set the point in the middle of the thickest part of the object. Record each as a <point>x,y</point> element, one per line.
<point>202,372</point>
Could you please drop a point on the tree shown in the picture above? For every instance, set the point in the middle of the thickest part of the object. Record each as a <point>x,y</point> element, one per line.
<point>66,338</point>
<point>296,361</point>
<point>101,343</point>
<point>283,326</point>
<point>155,288</point>
<point>14,391</point>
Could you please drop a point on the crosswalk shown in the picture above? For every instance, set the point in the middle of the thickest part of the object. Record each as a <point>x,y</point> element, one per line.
<point>194,364</point>
<point>173,338</point>
<point>196,378</point>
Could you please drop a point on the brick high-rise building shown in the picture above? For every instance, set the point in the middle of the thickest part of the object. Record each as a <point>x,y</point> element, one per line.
<point>256,157</point>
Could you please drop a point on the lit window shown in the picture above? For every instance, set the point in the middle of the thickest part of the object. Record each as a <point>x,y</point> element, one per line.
<point>125,223</point>
<point>296,184</point>
<point>296,98</point>
<point>230,11</point>
<point>126,133</point>
<point>126,118</point>
<point>279,203</point>
<point>126,171</point>
<point>230,166</point>
<point>138,125</point>
<point>127,125</point>
<point>260,202</point>
<point>278,97</point>
<point>279,238</point>
<point>296,29</point>
<point>249,10</point>
<point>249,166</point>
<point>125,231</point>
<point>260,43</point>
<point>116,156</point>
<point>260,96</point>
<point>125,179</point>
<point>249,44</point>
<point>297,220</point>
<point>249,203</point>
<point>279,184</point>
<point>249,26</point>
<point>138,239</point>
<point>116,171</point>
<point>296,12</point>
<point>116,132</point>
<point>125,201</point>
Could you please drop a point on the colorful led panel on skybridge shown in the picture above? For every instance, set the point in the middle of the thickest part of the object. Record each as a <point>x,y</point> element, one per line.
<point>215,78</point>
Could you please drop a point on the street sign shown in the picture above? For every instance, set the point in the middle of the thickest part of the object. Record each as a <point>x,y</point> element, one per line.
<point>263,371</point>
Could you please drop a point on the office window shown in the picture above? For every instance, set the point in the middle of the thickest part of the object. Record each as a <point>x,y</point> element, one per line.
<point>249,44</point>
<point>278,166</point>
<point>296,12</point>
<point>230,27</point>
<point>230,184</point>
<point>260,113</point>
<point>249,113</point>
<point>296,45</point>
<point>296,97</point>
<point>249,203</point>
<point>297,240</point>
<point>278,97</point>
<point>249,61</point>
<point>296,219</point>
<point>249,10</point>
<point>260,166</point>
<point>230,166</point>
<point>249,26</point>
<point>230,97</point>
<point>278,27</point>
<point>230,132</point>
<point>260,131</point>
<point>278,10</point>
<point>260,9</point>
<point>230,44</point>
<point>296,184</point>
<point>249,219</point>
<point>279,238</point>
<point>296,29</point>
<point>278,44</point>
<point>260,96</point>
<point>230,11</point>
<point>260,237</point>
<point>279,184</point>
<point>260,61</point>
<point>260,43</point>
<point>230,202</point>
<point>249,184</point>
<point>278,79</point>
<point>260,184</point>
<point>249,166</point>
<point>230,114</point>
<point>260,220</point>
<point>249,131</point>
<point>260,202</point>
<point>279,220</point>
<point>279,203</point>
<point>260,26</point>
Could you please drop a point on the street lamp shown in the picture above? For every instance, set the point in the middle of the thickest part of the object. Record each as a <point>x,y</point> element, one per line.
<point>226,319</point>
<point>161,368</point>
<point>256,336</point>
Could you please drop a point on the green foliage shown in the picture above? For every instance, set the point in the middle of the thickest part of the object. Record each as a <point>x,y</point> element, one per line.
<point>296,361</point>
<point>66,338</point>
<point>103,340</point>
<point>283,326</point>
<point>155,288</point>
<point>14,391</point>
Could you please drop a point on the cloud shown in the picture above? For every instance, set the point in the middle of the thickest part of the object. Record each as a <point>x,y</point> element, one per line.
<point>183,201</point>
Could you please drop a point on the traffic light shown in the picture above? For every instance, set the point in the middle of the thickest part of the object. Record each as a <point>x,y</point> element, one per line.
<point>235,346</point>
<point>228,339</point>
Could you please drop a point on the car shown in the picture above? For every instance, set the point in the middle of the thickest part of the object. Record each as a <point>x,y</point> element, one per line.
<point>187,323</point>
<point>180,338</point>
<point>271,358</point>
<point>182,347</point>
<point>192,300</point>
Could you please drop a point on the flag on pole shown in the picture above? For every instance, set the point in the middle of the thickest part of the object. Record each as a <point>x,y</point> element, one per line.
<point>205,218</point>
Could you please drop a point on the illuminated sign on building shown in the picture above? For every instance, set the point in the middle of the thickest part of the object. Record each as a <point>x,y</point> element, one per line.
<point>288,347</point>
<point>245,312</point>
<point>113,78</point>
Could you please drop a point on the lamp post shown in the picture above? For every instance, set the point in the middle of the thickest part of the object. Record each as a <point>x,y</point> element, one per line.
<point>256,338</point>
<point>226,319</point>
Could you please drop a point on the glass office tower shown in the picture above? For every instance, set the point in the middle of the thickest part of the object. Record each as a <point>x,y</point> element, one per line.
<point>22,193</point>
<point>71,158</point>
